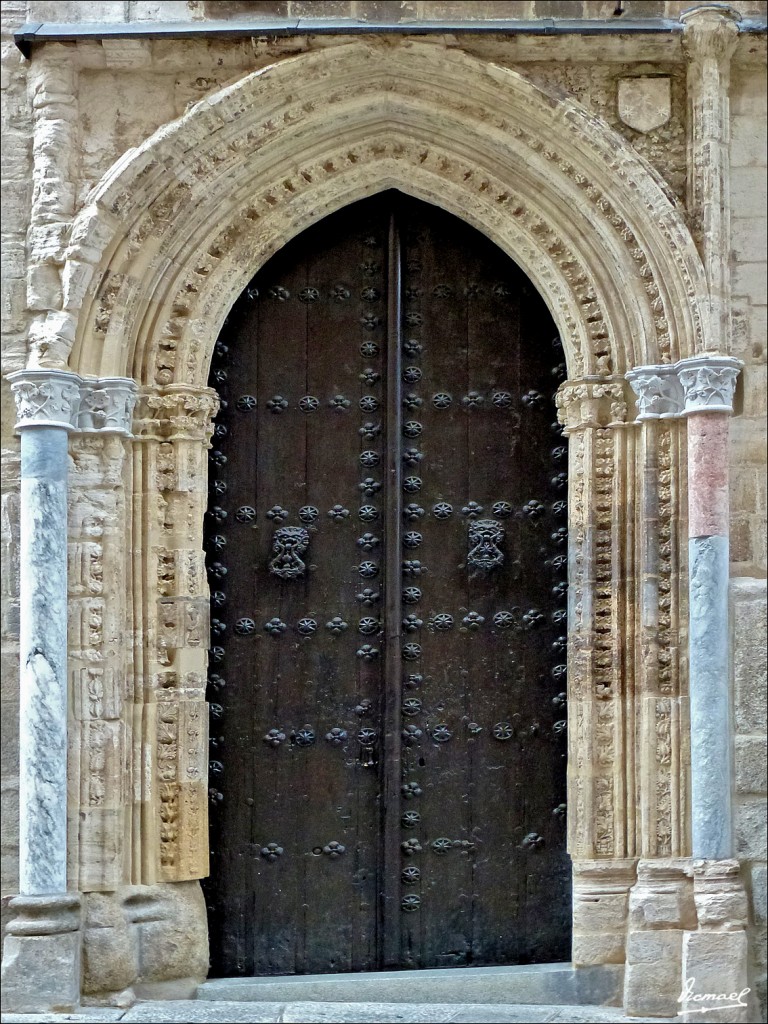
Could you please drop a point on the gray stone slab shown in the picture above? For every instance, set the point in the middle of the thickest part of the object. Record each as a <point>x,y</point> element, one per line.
<point>183,1011</point>
<point>599,1015</point>
<point>191,1011</point>
<point>98,1015</point>
<point>368,1013</point>
<point>543,984</point>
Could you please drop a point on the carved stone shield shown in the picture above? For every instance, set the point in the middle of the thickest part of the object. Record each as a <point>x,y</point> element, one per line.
<point>645,103</point>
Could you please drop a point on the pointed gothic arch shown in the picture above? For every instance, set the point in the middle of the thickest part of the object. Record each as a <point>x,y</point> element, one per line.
<point>168,240</point>
<point>176,228</point>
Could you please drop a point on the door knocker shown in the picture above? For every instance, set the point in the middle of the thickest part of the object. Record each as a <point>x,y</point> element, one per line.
<point>288,545</point>
<point>485,536</point>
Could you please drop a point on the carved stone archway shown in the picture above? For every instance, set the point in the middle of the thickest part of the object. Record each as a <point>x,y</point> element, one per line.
<point>169,239</point>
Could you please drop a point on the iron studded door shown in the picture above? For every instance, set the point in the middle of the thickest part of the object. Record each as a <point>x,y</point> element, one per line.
<point>386,551</point>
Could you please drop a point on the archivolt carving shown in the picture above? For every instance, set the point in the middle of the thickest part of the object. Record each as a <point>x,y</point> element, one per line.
<point>624,269</point>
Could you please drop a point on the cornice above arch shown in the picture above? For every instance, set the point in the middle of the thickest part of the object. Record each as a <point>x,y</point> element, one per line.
<point>178,226</point>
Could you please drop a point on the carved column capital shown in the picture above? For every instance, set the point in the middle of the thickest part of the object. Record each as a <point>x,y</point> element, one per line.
<point>658,390</point>
<point>58,398</point>
<point>710,31</point>
<point>106,405</point>
<point>708,383</point>
<point>176,411</point>
<point>46,398</point>
<point>593,401</point>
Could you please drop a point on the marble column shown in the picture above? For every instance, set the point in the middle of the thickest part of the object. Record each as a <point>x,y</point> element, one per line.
<point>47,403</point>
<point>708,384</point>
<point>41,959</point>
<point>41,956</point>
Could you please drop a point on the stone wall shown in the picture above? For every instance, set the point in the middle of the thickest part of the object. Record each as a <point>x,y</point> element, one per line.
<point>750,685</point>
<point>748,491</point>
<point>126,89</point>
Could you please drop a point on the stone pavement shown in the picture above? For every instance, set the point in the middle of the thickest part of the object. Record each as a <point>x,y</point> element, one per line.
<point>190,1011</point>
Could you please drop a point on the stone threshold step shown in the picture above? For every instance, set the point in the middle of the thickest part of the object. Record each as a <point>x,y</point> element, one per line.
<point>539,984</point>
<point>219,1012</point>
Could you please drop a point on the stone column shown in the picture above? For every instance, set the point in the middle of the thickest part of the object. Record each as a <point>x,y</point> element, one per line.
<point>681,940</point>
<point>708,383</point>
<point>41,959</point>
<point>715,954</point>
<point>710,32</point>
<point>41,962</point>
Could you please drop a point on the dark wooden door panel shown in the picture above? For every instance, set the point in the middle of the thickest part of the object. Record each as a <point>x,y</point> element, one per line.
<point>388,746</point>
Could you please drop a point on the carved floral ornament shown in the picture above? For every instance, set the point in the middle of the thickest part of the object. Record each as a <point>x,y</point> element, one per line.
<point>700,384</point>
<point>56,398</point>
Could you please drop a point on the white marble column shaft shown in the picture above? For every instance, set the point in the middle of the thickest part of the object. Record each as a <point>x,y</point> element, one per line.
<point>43,678</point>
<point>47,403</point>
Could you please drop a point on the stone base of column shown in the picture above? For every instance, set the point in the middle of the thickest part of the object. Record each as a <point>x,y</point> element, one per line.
<point>715,955</point>
<point>661,907</point>
<point>600,908</point>
<point>41,957</point>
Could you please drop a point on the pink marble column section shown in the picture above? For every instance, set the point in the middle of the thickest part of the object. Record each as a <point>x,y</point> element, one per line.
<point>707,474</point>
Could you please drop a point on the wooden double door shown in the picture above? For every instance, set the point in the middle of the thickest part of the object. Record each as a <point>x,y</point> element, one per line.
<point>386,548</point>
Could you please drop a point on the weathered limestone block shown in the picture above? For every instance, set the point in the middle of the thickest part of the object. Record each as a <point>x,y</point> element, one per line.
<point>715,957</point>
<point>172,928</point>
<point>721,901</point>
<point>749,601</point>
<point>751,764</point>
<point>653,974</point>
<point>750,828</point>
<point>41,955</point>
<point>110,947</point>
<point>661,907</point>
<point>600,908</point>
<point>715,971</point>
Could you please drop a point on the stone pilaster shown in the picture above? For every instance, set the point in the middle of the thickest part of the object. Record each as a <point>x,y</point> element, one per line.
<point>660,690</point>
<point>173,430</point>
<point>593,413</point>
<point>710,32</point>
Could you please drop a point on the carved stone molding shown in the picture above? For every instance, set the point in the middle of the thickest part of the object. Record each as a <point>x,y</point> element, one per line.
<point>708,383</point>
<point>177,411</point>
<point>57,398</point>
<point>591,402</point>
<point>719,894</point>
<point>710,31</point>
